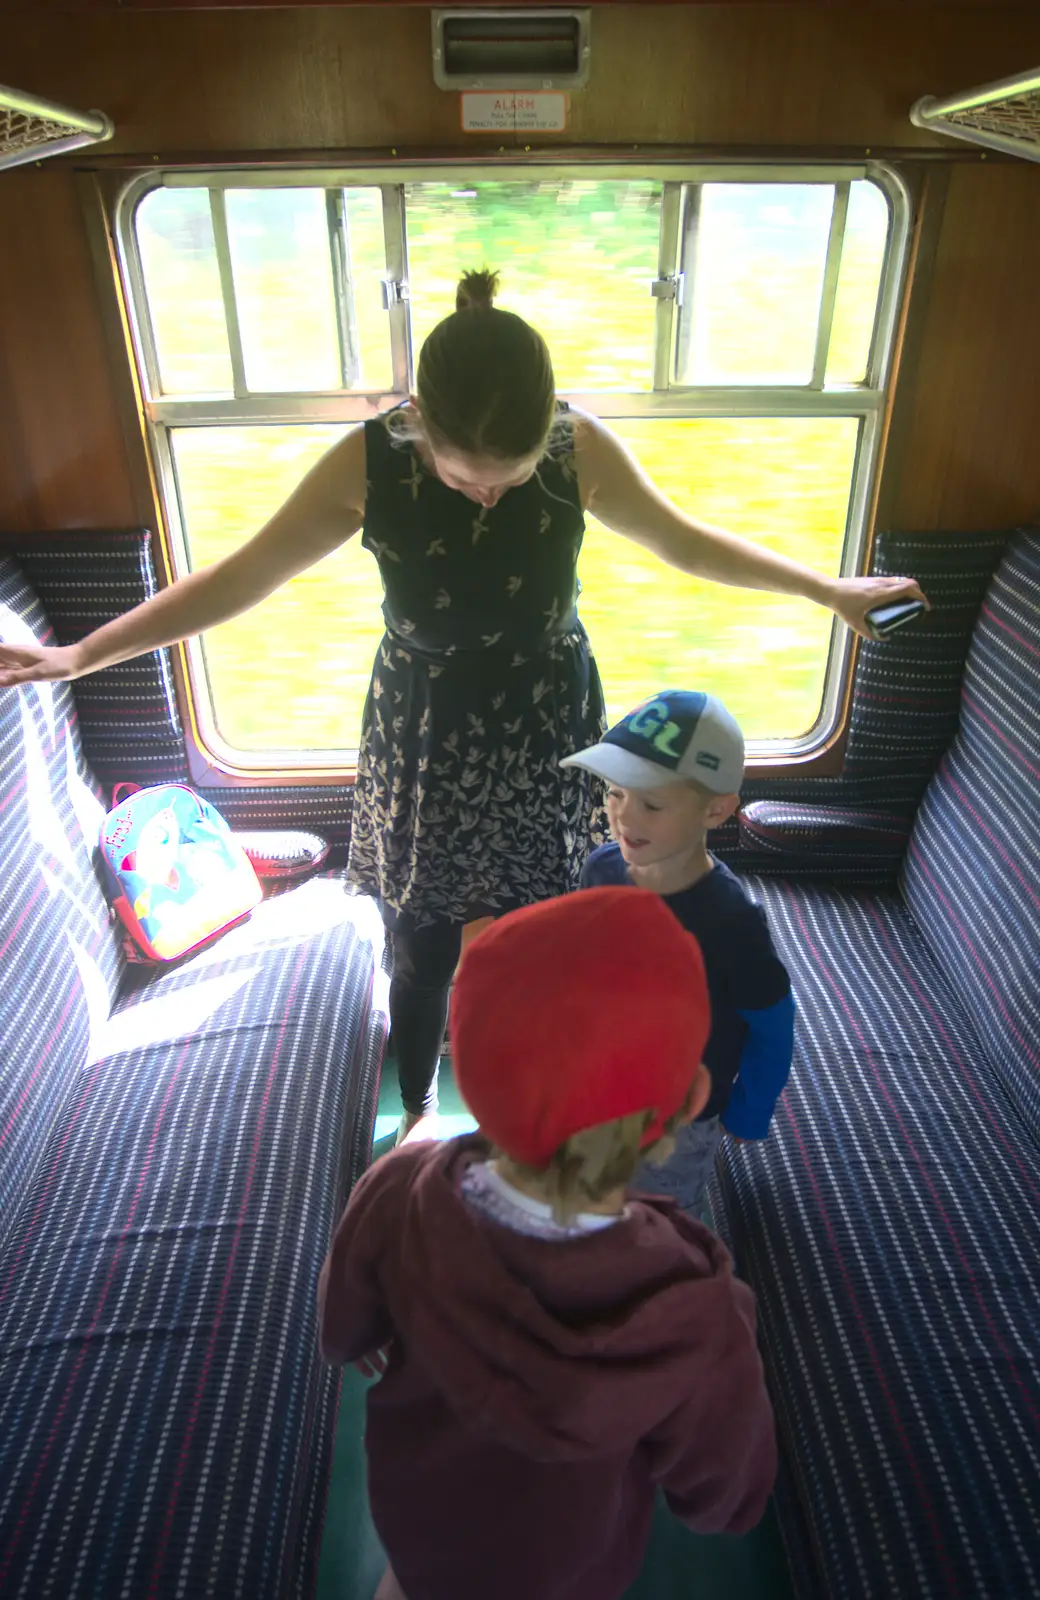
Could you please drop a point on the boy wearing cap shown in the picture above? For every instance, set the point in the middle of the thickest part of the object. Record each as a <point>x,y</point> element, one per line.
<point>555,1349</point>
<point>674,767</point>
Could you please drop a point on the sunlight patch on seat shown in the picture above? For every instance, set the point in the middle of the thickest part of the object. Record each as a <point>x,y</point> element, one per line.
<point>90,813</point>
<point>45,825</point>
<point>305,912</point>
<point>72,888</point>
<point>95,993</point>
<point>15,630</point>
<point>176,1015</point>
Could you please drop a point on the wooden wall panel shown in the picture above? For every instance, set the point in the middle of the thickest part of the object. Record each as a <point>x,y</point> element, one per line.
<point>326,79</point>
<point>63,462</point>
<point>67,6</point>
<point>772,76</point>
<point>971,457</point>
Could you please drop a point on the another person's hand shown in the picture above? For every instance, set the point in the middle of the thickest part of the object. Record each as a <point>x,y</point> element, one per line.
<point>36,663</point>
<point>852,598</point>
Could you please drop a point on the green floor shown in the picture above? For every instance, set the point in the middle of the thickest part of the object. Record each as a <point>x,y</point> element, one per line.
<point>679,1565</point>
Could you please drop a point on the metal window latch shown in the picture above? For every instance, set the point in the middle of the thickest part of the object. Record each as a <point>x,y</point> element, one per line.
<point>668,288</point>
<point>395,292</point>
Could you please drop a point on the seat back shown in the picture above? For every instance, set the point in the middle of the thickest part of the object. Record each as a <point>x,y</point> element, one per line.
<point>60,963</point>
<point>972,871</point>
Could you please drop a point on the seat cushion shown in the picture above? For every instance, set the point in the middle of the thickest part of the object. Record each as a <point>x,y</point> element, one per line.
<point>972,873</point>
<point>888,1226</point>
<point>165,1422</point>
<point>60,964</point>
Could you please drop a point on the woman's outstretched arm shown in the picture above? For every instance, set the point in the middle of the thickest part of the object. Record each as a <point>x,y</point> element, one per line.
<point>326,508</point>
<point>615,489</point>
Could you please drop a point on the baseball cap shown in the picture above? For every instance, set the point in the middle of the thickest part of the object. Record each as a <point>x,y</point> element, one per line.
<point>574,1012</point>
<point>675,735</point>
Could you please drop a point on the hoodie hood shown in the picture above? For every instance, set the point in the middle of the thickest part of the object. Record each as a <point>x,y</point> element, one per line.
<point>562,1350</point>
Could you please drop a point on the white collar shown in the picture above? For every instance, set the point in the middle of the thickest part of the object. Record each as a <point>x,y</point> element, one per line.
<point>541,1211</point>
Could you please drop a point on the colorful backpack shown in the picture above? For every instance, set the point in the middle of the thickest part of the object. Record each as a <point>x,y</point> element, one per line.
<point>173,872</point>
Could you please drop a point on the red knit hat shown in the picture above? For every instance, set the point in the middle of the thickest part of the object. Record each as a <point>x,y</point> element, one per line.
<point>574,1012</point>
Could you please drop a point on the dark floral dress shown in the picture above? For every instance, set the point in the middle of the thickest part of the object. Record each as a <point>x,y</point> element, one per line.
<point>482,683</point>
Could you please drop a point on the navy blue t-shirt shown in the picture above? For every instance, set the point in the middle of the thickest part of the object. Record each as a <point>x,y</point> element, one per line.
<point>743,970</point>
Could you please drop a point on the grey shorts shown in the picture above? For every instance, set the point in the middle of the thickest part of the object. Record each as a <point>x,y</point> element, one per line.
<point>684,1176</point>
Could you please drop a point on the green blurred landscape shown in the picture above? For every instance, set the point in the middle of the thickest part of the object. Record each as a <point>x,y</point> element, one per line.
<point>576,259</point>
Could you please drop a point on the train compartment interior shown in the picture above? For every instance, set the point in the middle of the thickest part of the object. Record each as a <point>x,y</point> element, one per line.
<point>788,251</point>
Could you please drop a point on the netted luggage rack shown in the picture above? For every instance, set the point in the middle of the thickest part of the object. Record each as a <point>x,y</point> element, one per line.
<point>1002,116</point>
<point>31,128</point>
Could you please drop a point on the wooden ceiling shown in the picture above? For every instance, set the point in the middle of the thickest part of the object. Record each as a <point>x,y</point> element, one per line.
<point>55,6</point>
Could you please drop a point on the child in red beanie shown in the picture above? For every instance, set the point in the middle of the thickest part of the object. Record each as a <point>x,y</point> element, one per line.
<point>554,1349</point>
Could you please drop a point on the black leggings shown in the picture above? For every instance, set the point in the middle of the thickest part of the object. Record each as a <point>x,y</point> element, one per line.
<point>424,965</point>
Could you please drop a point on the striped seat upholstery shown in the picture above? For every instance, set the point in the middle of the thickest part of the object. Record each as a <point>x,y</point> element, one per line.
<point>972,873</point>
<point>888,1227</point>
<point>55,934</point>
<point>84,579</point>
<point>889,1224</point>
<point>177,1163</point>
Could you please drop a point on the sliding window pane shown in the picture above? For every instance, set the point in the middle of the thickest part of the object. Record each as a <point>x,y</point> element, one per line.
<point>366,269</point>
<point>754,264</point>
<point>182,287</point>
<point>576,257</point>
<point>859,282</point>
<point>282,270</point>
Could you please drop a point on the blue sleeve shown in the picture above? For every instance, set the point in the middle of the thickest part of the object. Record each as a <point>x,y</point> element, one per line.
<point>765,1063</point>
<point>604,866</point>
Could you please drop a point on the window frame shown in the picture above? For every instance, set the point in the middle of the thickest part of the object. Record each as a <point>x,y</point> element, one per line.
<point>665,397</point>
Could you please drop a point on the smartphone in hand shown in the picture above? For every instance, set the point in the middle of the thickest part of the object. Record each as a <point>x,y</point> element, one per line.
<point>883,620</point>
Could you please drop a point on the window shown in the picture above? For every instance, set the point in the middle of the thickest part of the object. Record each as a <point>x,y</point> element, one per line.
<point>733,325</point>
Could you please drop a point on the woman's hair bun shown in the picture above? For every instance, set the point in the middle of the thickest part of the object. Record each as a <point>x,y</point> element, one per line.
<point>484,383</point>
<point>476,291</point>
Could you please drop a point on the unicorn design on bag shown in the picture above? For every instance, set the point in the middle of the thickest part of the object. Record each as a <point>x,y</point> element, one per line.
<point>180,876</point>
<point>155,858</point>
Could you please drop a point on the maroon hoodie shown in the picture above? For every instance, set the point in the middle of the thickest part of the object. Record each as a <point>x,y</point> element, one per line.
<point>537,1391</point>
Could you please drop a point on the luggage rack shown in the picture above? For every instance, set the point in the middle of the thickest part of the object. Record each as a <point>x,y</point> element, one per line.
<point>1003,116</point>
<point>31,128</point>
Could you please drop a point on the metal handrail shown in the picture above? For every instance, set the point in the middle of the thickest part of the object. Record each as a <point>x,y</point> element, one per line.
<point>85,127</point>
<point>953,115</point>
